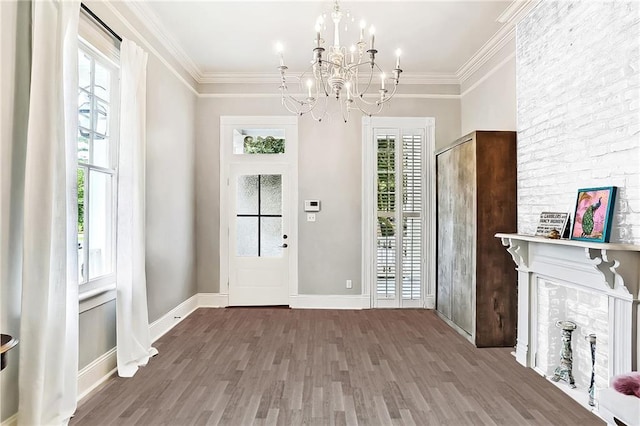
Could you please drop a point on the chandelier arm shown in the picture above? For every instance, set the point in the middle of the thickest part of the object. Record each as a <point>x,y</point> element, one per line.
<point>295,106</point>
<point>369,112</point>
<point>324,111</point>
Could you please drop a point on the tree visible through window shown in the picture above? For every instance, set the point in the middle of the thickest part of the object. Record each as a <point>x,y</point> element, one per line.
<point>96,175</point>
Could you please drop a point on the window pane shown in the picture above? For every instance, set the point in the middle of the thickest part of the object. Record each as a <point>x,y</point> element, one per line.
<point>247,195</point>
<point>101,151</point>
<point>258,141</point>
<point>102,85</point>
<point>247,236</point>
<point>83,145</point>
<point>271,194</point>
<point>386,173</point>
<point>100,224</point>
<point>100,117</point>
<point>82,276</point>
<point>386,257</point>
<point>84,70</point>
<point>271,237</point>
<point>84,109</point>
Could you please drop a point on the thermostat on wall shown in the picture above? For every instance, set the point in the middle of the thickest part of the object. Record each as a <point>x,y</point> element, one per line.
<point>311,205</point>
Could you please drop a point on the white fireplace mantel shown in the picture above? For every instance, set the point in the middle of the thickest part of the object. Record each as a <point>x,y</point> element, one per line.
<point>612,270</point>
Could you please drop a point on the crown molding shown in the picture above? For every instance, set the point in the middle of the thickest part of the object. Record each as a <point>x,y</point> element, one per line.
<point>274,78</point>
<point>302,95</point>
<point>149,45</point>
<point>150,20</point>
<point>514,12</point>
<point>509,18</point>
<point>239,78</point>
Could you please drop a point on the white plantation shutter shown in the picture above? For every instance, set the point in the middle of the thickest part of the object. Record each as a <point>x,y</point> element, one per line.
<point>412,215</point>
<point>400,219</point>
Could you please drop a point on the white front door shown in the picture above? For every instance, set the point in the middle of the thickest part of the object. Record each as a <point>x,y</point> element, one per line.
<point>258,199</point>
<point>259,234</point>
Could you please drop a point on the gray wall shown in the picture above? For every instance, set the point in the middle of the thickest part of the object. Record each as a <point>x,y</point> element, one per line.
<point>489,95</point>
<point>170,196</point>
<point>329,169</point>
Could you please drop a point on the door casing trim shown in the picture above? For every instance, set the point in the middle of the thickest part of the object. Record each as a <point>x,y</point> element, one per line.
<point>290,158</point>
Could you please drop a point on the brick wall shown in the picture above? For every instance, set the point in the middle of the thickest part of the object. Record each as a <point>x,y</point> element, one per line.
<point>590,312</point>
<point>578,90</point>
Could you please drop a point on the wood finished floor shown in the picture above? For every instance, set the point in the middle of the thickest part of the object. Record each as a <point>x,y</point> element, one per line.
<point>265,366</point>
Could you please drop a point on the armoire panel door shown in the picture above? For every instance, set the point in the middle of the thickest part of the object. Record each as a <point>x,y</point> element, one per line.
<point>463,206</point>
<point>445,254</point>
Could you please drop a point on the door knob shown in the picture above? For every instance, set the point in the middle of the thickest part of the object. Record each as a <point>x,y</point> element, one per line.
<point>284,236</point>
<point>284,245</point>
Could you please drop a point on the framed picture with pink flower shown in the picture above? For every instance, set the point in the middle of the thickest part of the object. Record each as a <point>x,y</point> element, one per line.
<point>593,215</point>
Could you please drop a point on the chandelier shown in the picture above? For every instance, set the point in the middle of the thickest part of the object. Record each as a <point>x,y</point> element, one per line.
<point>351,75</point>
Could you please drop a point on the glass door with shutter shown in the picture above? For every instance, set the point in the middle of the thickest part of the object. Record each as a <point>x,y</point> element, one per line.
<point>400,187</point>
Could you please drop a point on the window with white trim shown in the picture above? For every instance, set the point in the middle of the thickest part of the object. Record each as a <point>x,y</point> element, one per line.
<point>399,212</point>
<point>97,172</point>
<point>397,243</point>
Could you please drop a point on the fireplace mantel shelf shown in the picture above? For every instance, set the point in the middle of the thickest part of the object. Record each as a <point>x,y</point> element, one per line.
<point>615,264</point>
<point>574,243</point>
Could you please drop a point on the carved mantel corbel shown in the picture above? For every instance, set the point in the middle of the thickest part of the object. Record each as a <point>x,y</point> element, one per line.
<point>519,251</point>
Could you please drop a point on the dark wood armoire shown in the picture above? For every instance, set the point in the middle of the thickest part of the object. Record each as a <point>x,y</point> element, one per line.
<point>476,198</point>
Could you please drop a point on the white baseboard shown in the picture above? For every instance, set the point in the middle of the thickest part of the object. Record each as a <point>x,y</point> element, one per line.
<point>169,320</point>
<point>96,373</point>
<point>11,421</point>
<point>430,302</point>
<point>330,301</point>
<point>213,300</point>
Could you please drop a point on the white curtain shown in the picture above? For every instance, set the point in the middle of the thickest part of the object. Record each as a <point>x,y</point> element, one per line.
<point>133,339</point>
<point>49,320</point>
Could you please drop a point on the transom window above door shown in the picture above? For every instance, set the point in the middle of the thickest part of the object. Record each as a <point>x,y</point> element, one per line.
<point>258,141</point>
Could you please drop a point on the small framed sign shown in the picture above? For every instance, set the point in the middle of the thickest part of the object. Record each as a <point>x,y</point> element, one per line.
<point>550,221</point>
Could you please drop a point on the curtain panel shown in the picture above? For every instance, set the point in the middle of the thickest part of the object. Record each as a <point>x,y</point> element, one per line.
<point>49,321</point>
<point>132,319</point>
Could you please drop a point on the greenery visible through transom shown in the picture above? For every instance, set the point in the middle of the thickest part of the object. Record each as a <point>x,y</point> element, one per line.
<point>266,145</point>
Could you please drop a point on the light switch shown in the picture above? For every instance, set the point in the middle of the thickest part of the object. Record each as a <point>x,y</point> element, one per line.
<point>311,217</point>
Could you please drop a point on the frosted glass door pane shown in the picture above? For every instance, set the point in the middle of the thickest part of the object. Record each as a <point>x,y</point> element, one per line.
<point>247,197</point>
<point>271,237</point>
<point>247,236</point>
<point>271,194</point>
<point>100,224</point>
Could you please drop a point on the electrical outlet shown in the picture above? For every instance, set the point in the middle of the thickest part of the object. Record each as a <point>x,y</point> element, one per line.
<point>311,217</point>
<point>349,284</point>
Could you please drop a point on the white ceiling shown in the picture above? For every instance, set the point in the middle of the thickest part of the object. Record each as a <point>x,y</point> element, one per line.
<point>219,37</point>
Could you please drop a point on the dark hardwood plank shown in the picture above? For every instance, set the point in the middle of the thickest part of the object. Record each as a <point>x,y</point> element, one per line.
<point>289,367</point>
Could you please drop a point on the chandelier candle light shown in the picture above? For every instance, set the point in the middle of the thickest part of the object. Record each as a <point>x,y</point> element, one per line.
<point>347,74</point>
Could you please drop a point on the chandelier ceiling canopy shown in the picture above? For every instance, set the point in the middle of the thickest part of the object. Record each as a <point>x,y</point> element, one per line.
<point>350,75</point>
